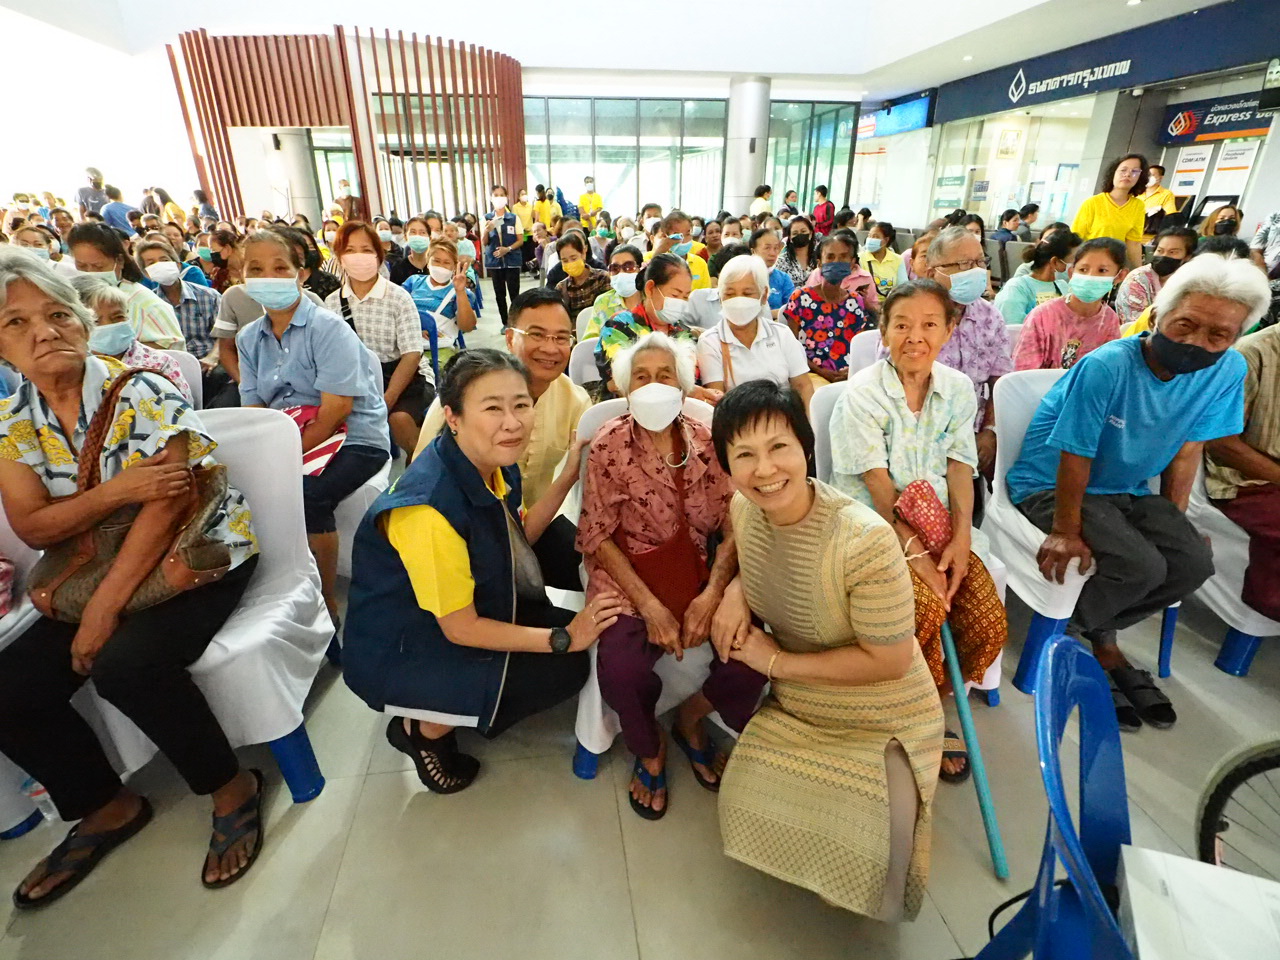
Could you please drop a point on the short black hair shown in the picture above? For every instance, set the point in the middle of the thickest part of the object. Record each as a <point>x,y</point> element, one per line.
<point>660,268</point>
<point>822,190</point>
<point>537,297</point>
<point>672,218</point>
<point>763,189</point>
<point>470,365</point>
<point>572,239</point>
<point>1225,245</point>
<point>724,255</point>
<point>304,242</point>
<point>888,231</point>
<point>110,243</point>
<point>1029,209</point>
<point>844,216</point>
<point>753,402</point>
<point>969,218</point>
<point>629,249</point>
<point>757,235</point>
<point>1156,166</point>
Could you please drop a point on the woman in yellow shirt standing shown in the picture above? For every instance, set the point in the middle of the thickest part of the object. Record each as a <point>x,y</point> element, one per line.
<point>523,209</point>
<point>1118,211</point>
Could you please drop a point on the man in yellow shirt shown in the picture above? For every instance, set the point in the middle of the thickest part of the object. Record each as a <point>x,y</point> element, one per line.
<point>674,236</point>
<point>540,333</point>
<point>546,206</point>
<point>589,204</point>
<point>1157,196</point>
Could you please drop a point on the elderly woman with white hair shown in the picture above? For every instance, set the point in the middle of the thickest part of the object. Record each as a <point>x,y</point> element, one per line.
<point>655,497</point>
<point>746,344</point>
<point>1134,409</point>
<point>128,627</point>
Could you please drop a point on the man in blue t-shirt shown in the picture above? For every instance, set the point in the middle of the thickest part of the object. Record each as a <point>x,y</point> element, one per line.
<point>1135,409</point>
<point>116,212</point>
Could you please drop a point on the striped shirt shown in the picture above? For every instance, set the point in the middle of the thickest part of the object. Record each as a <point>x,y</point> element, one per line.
<point>386,320</point>
<point>197,310</point>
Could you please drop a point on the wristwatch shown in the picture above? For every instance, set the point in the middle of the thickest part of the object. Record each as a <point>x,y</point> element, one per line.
<point>560,640</point>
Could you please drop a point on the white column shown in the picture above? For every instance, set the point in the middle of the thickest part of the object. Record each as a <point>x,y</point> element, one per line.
<point>747,142</point>
<point>298,166</point>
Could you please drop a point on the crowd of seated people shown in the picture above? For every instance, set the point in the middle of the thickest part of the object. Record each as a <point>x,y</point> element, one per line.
<point>702,519</point>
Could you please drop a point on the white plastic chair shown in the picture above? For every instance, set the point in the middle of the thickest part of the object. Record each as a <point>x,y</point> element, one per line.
<point>351,510</point>
<point>258,669</point>
<point>582,362</point>
<point>597,725</point>
<point>863,349</point>
<point>1221,592</point>
<point>1015,331</point>
<point>189,364</point>
<point>584,318</point>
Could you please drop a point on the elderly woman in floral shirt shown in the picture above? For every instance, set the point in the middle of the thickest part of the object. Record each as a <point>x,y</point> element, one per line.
<point>827,317</point>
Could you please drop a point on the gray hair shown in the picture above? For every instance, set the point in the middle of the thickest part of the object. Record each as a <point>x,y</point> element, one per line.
<point>95,292</point>
<point>944,241</point>
<point>741,267</point>
<point>681,353</point>
<point>17,263</point>
<point>1216,276</point>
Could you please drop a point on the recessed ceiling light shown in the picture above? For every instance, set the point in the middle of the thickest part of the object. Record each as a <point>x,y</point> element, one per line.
<point>968,56</point>
<point>1132,3</point>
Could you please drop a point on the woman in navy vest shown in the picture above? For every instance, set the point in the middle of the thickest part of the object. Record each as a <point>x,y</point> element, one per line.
<point>448,621</point>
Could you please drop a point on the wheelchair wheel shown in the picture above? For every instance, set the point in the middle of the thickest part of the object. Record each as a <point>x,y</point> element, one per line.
<point>1239,818</point>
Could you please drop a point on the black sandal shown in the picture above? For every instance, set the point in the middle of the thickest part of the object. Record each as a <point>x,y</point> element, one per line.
<point>66,857</point>
<point>1140,689</point>
<point>706,756</point>
<point>444,769</point>
<point>957,751</point>
<point>653,782</point>
<point>229,829</point>
<point>1126,716</point>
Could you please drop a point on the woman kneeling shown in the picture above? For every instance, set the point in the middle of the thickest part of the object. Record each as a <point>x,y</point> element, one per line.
<point>654,494</point>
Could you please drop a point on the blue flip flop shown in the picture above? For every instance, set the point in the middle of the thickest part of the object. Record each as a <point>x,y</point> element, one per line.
<point>706,757</point>
<point>653,783</point>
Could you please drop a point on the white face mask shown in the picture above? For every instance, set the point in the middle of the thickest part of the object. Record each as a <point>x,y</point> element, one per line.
<point>740,310</point>
<point>330,236</point>
<point>440,274</point>
<point>164,272</point>
<point>626,233</point>
<point>655,405</point>
<point>650,224</point>
<point>499,203</point>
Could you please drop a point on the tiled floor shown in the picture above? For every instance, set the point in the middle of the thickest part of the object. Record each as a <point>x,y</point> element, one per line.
<point>532,863</point>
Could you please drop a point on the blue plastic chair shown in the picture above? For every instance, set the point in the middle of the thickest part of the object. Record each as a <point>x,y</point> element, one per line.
<point>1072,921</point>
<point>1042,630</point>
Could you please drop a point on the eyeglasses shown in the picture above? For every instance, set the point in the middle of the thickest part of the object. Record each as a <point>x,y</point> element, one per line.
<point>629,267</point>
<point>959,266</point>
<point>541,339</point>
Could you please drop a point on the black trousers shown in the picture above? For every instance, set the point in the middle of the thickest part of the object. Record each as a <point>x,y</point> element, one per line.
<point>506,283</point>
<point>342,476</point>
<point>558,556</point>
<point>142,671</point>
<point>539,681</point>
<point>220,391</point>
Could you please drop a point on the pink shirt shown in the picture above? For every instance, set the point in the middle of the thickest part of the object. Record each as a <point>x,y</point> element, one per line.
<point>1054,338</point>
<point>149,358</point>
<point>630,495</point>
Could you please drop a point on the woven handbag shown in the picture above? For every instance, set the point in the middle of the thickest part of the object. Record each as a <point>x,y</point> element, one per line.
<point>918,506</point>
<point>67,575</point>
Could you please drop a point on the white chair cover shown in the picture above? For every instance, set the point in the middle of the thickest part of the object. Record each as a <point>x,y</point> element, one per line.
<point>584,318</point>
<point>597,725</point>
<point>1015,331</point>
<point>1014,538</point>
<point>189,364</point>
<point>863,349</point>
<point>582,362</point>
<point>352,510</point>
<point>1230,545</point>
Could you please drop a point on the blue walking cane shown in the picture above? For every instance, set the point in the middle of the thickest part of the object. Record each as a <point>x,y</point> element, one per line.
<point>985,803</point>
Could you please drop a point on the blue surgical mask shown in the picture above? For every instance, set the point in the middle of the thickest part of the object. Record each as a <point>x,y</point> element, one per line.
<point>682,249</point>
<point>112,339</point>
<point>384,236</point>
<point>968,285</point>
<point>872,244</point>
<point>419,244</point>
<point>106,276</point>
<point>273,293</point>
<point>834,273</point>
<point>1061,276</point>
<point>40,252</point>
<point>624,284</point>
<point>1090,289</point>
<point>205,254</point>
<point>66,247</point>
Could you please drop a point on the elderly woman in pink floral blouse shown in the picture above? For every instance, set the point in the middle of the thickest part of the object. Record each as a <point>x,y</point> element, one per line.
<point>654,495</point>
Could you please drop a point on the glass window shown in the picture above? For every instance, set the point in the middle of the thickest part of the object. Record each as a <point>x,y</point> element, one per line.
<point>569,144</point>
<point>535,142</point>
<point>702,157</point>
<point>659,157</point>
<point>788,142</point>
<point>617,126</point>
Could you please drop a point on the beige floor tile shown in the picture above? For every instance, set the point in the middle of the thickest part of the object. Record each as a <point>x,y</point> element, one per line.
<point>145,901</point>
<point>525,863</point>
<point>691,900</point>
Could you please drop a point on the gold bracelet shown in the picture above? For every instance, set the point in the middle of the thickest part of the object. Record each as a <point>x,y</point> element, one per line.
<point>769,671</point>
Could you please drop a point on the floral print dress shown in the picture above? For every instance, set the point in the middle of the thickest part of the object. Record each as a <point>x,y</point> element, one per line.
<point>826,329</point>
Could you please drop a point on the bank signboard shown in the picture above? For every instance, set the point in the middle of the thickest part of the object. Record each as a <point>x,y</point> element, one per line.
<point>1222,118</point>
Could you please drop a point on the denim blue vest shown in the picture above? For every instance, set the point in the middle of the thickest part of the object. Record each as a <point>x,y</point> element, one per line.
<point>393,651</point>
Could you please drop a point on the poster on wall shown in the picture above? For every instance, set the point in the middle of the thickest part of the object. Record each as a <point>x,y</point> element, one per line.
<point>980,188</point>
<point>1231,173</point>
<point>1008,145</point>
<point>1188,175</point>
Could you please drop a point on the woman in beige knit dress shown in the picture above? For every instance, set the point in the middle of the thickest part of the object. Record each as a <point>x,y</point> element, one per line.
<point>831,784</point>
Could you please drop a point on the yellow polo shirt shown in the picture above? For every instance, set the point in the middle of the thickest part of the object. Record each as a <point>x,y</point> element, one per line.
<point>434,555</point>
<point>1100,217</point>
<point>525,212</point>
<point>697,267</point>
<point>1159,198</point>
<point>1141,325</point>
<point>555,427</point>
<point>589,204</point>
<point>544,210</point>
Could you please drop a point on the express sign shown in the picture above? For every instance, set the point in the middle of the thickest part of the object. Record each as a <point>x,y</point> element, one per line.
<point>1220,119</point>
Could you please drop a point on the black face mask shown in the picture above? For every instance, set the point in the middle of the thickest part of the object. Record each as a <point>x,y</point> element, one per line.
<point>801,240</point>
<point>1164,266</point>
<point>1182,357</point>
<point>1224,227</point>
<point>217,259</point>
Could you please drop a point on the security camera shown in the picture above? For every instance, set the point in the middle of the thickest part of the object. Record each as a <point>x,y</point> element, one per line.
<point>1138,91</point>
